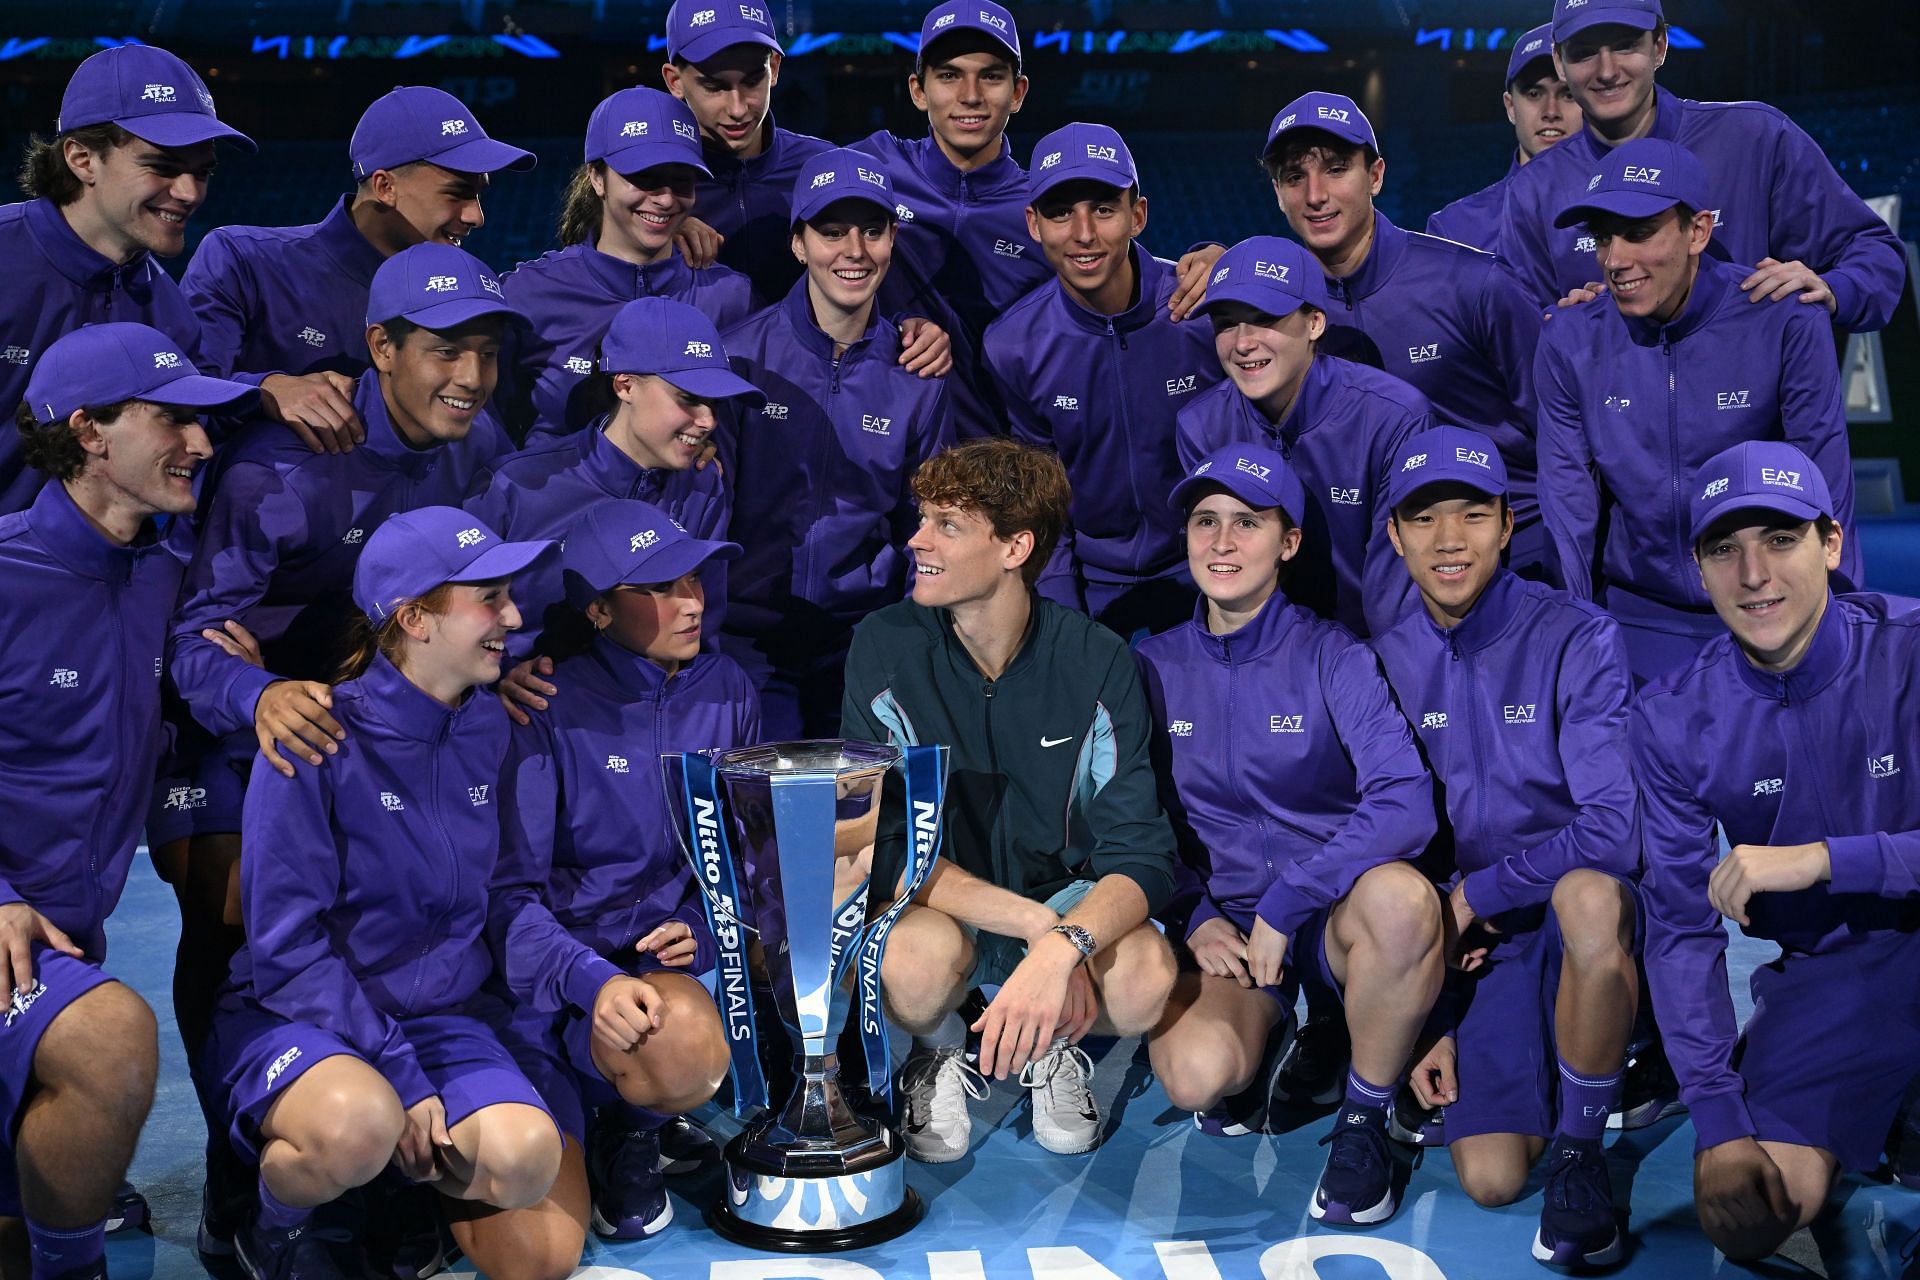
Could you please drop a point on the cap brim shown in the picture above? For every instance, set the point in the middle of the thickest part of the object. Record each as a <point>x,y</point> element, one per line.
<point>481,155</point>
<point>441,316</point>
<point>979,30</point>
<point>1519,69</point>
<point>503,560</point>
<point>1478,483</point>
<point>1063,174</point>
<point>1270,300</point>
<point>197,391</point>
<point>1183,494</point>
<point>673,561</point>
<point>712,384</point>
<point>809,209</point>
<point>1777,505</point>
<point>708,43</point>
<point>642,156</point>
<point>1621,204</point>
<point>1638,19</point>
<point>1354,138</point>
<point>184,129</point>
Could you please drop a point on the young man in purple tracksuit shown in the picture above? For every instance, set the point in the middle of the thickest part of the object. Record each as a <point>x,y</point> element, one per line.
<point>596,924</point>
<point>1092,367</point>
<point>1636,389</point>
<point>1518,695</point>
<point>1782,213</point>
<point>293,300</point>
<point>110,419</point>
<point>129,162</point>
<point>354,1032</point>
<point>1300,800</point>
<point>624,208</point>
<point>1542,112</point>
<point>821,471</point>
<point>1794,734</point>
<point>1339,424</point>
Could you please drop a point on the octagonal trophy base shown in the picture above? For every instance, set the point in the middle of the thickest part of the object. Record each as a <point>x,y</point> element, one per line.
<point>796,1210</point>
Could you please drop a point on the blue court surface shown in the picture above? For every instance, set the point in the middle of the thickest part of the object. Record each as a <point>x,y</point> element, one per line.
<point>1158,1201</point>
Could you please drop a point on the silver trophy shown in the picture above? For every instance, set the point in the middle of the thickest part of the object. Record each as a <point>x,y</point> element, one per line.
<point>781,838</point>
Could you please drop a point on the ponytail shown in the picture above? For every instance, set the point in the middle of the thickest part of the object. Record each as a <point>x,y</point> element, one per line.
<point>580,212</point>
<point>364,640</point>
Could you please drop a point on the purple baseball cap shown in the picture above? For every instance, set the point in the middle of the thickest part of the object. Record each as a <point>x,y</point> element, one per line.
<point>674,341</point>
<point>1270,274</point>
<point>1570,17</point>
<point>698,29</point>
<point>983,16</point>
<point>1639,179</point>
<point>436,286</point>
<point>631,542</point>
<point>1535,46</point>
<point>1758,475</point>
<point>416,122</point>
<point>639,128</point>
<point>1253,473</point>
<point>418,550</point>
<point>1447,454</point>
<point>841,174</point>
<point>106,363</point>
<point>1333,113</point>
<point>148,92</point>
<point>1080,153</point>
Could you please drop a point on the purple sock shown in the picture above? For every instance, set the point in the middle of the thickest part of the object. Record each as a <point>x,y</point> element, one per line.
<point>78,1252</point>
<point>1585,1102</point>
<point>276,1217</point>
<point>1364,1096</point>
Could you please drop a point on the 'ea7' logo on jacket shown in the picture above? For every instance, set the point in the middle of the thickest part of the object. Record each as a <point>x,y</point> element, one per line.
<point>1422,354</point>
<point>1286,724</point>
<point>876,425</point>
<point>1180,386</point>
<point>1730,400</point>
<point>478,794</point>
<point>1519,713</point>
<point>1345,497</point>
<point>1882,767</point>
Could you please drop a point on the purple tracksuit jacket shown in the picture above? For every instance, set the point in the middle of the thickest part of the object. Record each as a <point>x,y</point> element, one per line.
<point>279,542</point>
<point>55,283</point>
<point>1103,392</point>
<point>1629,410</point>
<point>284,299</point>
<point>1284,764</point>
<point>571,296</point>
<point>80,730</point>
<point>1778,197</point>
<point>1342,435</point>
<point>589,863</point>
<point>1475,220</point>
<point>1521,711</point>
<point>750,202</point>
<point>542,493</point>
<point>1824,752</point>
<point>1456,326</point>
<point>365,885</point>
<point>820,472</point>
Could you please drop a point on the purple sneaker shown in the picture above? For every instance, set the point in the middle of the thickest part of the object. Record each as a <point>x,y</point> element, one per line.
<point>1356,1190</point>
<point>1579,1230</point>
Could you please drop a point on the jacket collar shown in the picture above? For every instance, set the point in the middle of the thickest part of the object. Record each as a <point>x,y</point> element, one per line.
<point>668,277</point>
<point>1000,174</point>
<point>1145,309</point>
<point>1667,110</point>
<point>1389,246</point>
<point>405,707</point>
<point>1711,285</point>
<point>1256,640</point>
<point>1826,657</point>
<point>636,677</point>
<point>799,309</point>
<point>1316,390</point>
<point>73,257</point>
<point>383,440</point>
<point>70,537</point>
<point>342,241</point>
<point>941,620</point>
<point>728,168</point>
<point>615,472</point>
<point>1489,618</point>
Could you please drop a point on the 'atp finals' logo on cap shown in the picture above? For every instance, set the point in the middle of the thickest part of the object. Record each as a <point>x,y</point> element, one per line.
<point>452,128</point>
<point>643,539</point>
<point>1220,275</point>
<point>1715,489</point>
<point>162,93</point>
<point>442,284</point>
<point>1595,180</point>
<point>634,129</point>
<point>1532,46</point>
<point>1472,457</point>
<point>1641,173</point>
<point>1053,158</point>
<point>1109,154</point>
<point>702,19</point>
<point>826,179</point>
<point>167,360</point>
<point>1278,272</point>
<point>1252,468</point>
<point>1286,122</point>
<point>1780,478</point>
<point>946,20</point>
<point>698,349</point>
<point>1414,463</point>
<point>469,538</point>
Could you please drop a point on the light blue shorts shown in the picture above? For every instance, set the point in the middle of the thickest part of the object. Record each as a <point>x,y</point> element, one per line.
<point>995,956</point>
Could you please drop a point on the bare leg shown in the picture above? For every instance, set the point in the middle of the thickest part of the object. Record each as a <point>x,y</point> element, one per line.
<point>1599,986</point>
<point>1133,977</point>
<point>1209,1041</point>
<point>540,1242</point>
<point>1384,947</point>
<point>329,1131</point>
<point>679,1066</point>
<point>924,974</point>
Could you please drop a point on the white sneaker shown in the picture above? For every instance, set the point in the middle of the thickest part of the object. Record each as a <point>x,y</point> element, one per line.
<point>934,1086</point>
<point>1065,1119</point>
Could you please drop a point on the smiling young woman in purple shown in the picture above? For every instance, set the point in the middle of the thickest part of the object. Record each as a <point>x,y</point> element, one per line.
<point>354,1032</point>
<point>597,926</point>
<point>1299,800</point>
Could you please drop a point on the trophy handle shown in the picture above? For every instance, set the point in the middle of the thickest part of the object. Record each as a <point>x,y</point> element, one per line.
<point>689,813</point>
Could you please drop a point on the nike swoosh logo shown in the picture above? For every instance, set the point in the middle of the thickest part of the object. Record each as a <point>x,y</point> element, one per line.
<point>1054,742</point>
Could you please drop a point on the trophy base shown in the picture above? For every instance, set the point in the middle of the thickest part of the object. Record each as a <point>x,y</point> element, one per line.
<point>822,1213</point>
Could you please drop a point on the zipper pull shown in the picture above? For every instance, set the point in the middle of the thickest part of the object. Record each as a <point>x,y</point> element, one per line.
<point>986,688</point>
<point>1453,646</point>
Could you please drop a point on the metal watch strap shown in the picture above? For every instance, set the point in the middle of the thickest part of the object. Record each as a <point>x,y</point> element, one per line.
<point>1081,939</point>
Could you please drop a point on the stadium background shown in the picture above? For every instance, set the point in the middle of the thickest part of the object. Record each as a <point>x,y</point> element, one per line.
<point>1191,84</point>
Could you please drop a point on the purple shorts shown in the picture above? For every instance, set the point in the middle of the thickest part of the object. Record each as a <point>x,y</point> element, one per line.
<point>201,789</point>
<point>253,1055</point>
<point>1310,941</point>
<point>1831,1046</point>
<point>1507,1062</point>
<point>59,980</point>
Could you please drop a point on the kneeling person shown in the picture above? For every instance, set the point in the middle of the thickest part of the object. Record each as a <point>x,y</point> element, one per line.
<point>1519,697</point>
<point>1296,833</point>
<point>1057,848</point>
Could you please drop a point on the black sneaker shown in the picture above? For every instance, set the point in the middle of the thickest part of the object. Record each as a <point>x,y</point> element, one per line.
<point>405,1230</point>
<point>129,1212</point>
<point>1578,1227</point>
<point>1412,1125</point>
<point>1648,1092</point>
<point>1246,1112</point>
<point>1315,1071</point>
<point>1356,1189</point>
<point>228,1198</point>
<point>304,1253</point>
<point>685,1147</point>
<point>1903,1144</point>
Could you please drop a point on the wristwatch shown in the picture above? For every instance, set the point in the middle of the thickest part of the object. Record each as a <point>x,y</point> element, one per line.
<point>1081,939</point>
